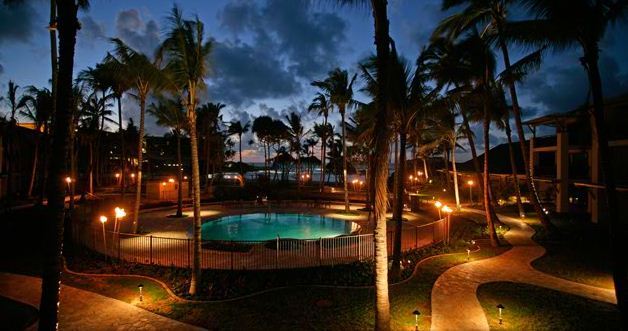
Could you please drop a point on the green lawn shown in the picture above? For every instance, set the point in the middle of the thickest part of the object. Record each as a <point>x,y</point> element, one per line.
<point>534,308</point>
<point>301,307</point>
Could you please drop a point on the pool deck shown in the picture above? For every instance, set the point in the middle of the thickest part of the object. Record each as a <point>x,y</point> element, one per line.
<point>160,222</point>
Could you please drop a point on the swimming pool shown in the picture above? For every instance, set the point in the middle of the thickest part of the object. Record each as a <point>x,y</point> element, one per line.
<point>266,226</point>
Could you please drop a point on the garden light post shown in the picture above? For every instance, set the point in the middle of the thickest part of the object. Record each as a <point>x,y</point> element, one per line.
<point>103,220</point>
<point>470,183</point>
<point>438,206</point>
<point>68,180</point>
<point>416,314</point>
<point>448,211</point>
<point>500,307</point>
<point>119,215</point>
<point>140,287</point>
<point>117,175</point>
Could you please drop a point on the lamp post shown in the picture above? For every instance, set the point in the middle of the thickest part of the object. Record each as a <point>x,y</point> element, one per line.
<point>438,206</point>
<point>448,211</point>
<point>103,220</point>
<point>470,183</point>
<point>119,215</point>
<point>416,314</point>
<point>500,307</point>
<point>140,287</point>
<point>360,187</point>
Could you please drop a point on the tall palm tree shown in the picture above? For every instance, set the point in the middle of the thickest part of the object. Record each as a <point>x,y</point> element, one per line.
<point>339,90</point>
<point>187,50</point>
<point>323,131</point>
<point>146,77</point>
<point>296,133</point>
<point>263,129</point>
<point>36,106</point>
<point>208,119</point>
<point>67,25</point>
<point>321,105</point>
<point>170,113</point>
<point>12,99</point>
<point>236,128</point>
<point>379,9</point>
<point>565,24</point>
<point>492,17</point>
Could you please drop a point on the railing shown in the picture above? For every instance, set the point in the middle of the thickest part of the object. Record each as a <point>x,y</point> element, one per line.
<point>246,255</point>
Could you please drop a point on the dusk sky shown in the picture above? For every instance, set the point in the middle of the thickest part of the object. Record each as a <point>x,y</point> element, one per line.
<point>267,52</point>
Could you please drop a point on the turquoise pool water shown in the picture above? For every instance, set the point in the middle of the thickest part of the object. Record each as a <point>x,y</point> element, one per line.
<point>266,226</point>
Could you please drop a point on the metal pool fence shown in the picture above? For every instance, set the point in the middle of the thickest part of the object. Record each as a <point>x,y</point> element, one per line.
<point>247,255</point>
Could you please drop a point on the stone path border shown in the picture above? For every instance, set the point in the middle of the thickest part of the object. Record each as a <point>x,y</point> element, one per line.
<point>84,310</point>
<point>455,305</point>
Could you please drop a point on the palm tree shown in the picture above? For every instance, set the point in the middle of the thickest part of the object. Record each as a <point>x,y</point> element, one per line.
<point>262,127</point>
<point>208,119</point>
<point>323,131</point>
<point>12,99</point>
<point>236,128</point>
<point>36,106</point>
<point>321,105</point>
<point>492,16</point>
<point>187,50</point>
<point>296,133</point>
<point>170,113</point>
<point>146,77</point>
<point>562,24</point>
<point>67,25</point>
<point>339,90</point>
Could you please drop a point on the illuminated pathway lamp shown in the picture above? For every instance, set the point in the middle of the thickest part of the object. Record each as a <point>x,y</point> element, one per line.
<point>103,220</point>
<point>438,206</point>
<point>120,214</point>
<point>141,287</point>
<point>416,314</point>
<point>500,307</point>
<point>470,183</point>
<point>448,211</point>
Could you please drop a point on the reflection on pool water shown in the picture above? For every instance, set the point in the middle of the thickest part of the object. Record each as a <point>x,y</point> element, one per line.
<point>266,226</point>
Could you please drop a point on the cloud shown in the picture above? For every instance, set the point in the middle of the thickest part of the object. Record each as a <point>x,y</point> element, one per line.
<point>274,50</point>
<point>17,21</point>
<point>141,35</point>
<point>559,88</point>
<point>91,32</point>
<point>244,73</point>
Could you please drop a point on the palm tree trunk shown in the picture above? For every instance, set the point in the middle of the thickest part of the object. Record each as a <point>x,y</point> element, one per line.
<point>344,157</point>
<point>616,226</point>
<point>34,167</point>
<point>138,177</point>
<point>196,198</point>
<point>51,273</point>
<point>91,167</point>
<point>323,150</point>
<point>513,166</point>
<point>427,175</point>
<point>455,172</point>
<point>446,164</point>
<point>534,196</point>
<point>487,199</point>
<point>382,41</point>
<point>180,179</point>
<point>240,142</point>
<point>122,152</point>
<point>398,212</point>
<point>474,153</point>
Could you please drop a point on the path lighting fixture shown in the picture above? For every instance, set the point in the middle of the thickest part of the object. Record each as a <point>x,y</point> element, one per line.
<point>117,175</point>
<point>163,183</point>
<point>119,214</point>
<point>500,307</point>
<point>68,180</point>
<point>416,314</point>
<point>468,253</point>
<point>470,183</point>
<point>448,211</point>
<point>140,287</point>
<point>132,175</point>
<point>170,180</point>
<point>103,220</point>
<point>438,205</point>
<point>185,177</point>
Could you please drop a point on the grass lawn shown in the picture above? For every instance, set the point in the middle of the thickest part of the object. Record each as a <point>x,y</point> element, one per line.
<point>16,315</point>
<point>303,307</point>
<point>578,254</point>
<point>529,307</point>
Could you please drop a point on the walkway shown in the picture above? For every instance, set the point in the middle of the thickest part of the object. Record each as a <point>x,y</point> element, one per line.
<point>455,305</point>
<point>84,310</point>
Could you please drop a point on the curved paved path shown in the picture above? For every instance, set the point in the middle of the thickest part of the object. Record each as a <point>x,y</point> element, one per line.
<point>84,310</point>
<point>455,305</point>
